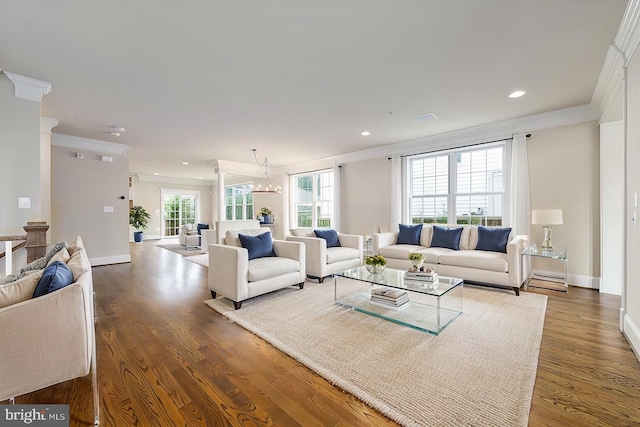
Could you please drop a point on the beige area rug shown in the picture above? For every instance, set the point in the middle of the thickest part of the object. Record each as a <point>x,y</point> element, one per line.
<point>202,259</point>
<point>178,248</point>
<point>479,371</point>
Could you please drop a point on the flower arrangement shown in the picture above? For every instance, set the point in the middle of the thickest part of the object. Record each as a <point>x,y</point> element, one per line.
<point>375,260</point>
<point>415,256</point>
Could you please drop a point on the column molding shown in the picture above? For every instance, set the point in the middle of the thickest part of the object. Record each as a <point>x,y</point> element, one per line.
<point>28,88</point>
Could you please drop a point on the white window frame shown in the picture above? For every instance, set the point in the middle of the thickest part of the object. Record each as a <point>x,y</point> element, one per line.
<point>317,221</point>
<point>247,190</point>
<point>452,192</point>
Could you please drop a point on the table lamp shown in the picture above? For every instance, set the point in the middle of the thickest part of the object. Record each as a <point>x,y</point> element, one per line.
<point>547,218</point>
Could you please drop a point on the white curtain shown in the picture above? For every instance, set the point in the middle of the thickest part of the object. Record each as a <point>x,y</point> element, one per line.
<point>519,194</point>
<point>396,194</point>
<point>336,196</point>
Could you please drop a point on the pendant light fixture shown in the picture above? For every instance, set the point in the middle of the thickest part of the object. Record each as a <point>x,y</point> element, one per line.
<point>264,186</point>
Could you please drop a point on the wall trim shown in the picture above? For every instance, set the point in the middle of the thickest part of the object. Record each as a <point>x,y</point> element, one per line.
<point>173,180</point>
<point>632,332</point>
<point>28,88</point>
<point>47,123</point>
<point>114,259</point>
<point>95,145</point>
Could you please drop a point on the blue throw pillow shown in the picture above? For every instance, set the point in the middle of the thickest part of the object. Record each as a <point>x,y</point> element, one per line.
<point>259,246</point>
<point>56,276</point>
<point>446,238</point>
<point>331,236</point>
<point>493,239</point>
<point>202,227</point>
<point>409,234</point>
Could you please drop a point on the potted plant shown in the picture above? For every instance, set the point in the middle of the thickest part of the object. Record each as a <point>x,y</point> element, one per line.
<point>375,263</point>
<point>417,259</point>
<point>139,219</point>
<point>266,215</point>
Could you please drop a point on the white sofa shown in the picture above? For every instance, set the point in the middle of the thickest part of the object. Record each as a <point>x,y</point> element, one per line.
<point>473,266</point>
<point>322,261</point>
<point>51,338</point>
<point>233,275</point>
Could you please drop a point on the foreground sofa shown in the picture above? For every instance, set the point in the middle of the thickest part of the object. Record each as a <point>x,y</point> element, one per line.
<point>473,266</point>
<point>233,274</point>
<point>51,338</point>
<point>323,259</point>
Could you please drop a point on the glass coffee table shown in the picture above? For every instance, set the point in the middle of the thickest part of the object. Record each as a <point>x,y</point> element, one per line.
<point>432,306</point>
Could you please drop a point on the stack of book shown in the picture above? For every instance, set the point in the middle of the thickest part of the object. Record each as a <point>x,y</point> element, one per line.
<point>421,276</point>
<point>390,298</point>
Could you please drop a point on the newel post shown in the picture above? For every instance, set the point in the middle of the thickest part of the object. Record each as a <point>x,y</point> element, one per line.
<point>36,239</point>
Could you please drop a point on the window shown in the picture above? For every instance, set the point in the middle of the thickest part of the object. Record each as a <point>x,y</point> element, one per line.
<point>238,201</point>
<point>179,209</point>
<point>313,199</point>
<point>461,187</point>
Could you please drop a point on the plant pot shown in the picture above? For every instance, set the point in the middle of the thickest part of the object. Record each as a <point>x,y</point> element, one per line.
<point>375,269</point>
<point>417,263</point>
<point>267,219</point>
<point>137,236</point>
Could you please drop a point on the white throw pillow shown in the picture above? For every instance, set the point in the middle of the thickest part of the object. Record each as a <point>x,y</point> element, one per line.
<point>20,290</point>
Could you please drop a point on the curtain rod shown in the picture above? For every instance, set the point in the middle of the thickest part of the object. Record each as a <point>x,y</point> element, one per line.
<point>455,148</point>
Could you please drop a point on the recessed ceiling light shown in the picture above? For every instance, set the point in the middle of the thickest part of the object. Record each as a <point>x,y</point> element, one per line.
<point>199,177</point>
<point>185,163</point>
<point>517,94</point>
<point>156,173</point>
<point>365,133</point>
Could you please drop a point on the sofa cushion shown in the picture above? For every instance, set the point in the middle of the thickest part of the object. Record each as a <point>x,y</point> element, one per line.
<point>446,237</point>
<point>259,246</point>
<point>79,263</point>
<point>482,260</point>
<point>341,254</point>
<point>55,276</point>
<point>62,256</point>
<point>266,268</point>
<point>20,290</point>
<point>425,235</point>
<point>409,234</point>
<point>432,254</point>
<point>330,236</point>
<point>398,251</point>
<point>76,245</point>
<point>41,263</point>
<point>231,236</point>
<point>493,239</point>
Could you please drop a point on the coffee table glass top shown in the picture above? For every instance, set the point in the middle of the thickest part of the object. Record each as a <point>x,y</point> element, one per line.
<point>432,306</point>
<point>395,279</point>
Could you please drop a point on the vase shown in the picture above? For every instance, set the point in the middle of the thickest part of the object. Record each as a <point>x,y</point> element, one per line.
<point>417,263</point>
<point>375,269</point>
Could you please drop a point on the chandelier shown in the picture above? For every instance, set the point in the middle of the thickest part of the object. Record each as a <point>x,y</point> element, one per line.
<point>265,186</point>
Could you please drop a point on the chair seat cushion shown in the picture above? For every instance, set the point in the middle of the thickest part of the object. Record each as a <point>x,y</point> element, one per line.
<point>268,267</point>
<point>482,260</point>
<point>341,254</point>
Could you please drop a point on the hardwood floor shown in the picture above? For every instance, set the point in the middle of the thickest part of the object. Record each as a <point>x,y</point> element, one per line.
<point>164,358</point>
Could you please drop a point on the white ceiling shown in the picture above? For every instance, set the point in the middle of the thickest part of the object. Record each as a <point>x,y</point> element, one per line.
<point>298,79</point>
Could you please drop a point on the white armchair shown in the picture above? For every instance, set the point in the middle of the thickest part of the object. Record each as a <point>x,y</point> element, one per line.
<point>322,261</point>
<point>233,275</point>
<point>188,236</point>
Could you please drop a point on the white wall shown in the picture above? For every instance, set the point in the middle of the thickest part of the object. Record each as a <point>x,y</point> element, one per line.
<point>81,188</point>
<point>564,174</point>
<point>612,207</point>
<point>631,292</point>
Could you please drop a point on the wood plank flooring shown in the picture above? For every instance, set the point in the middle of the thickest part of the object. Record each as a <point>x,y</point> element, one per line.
<point>165,359</point>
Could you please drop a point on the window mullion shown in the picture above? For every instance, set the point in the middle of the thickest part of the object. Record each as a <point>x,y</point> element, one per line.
<point>453,185</point>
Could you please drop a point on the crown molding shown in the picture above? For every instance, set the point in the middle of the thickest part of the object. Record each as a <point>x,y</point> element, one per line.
<point>489,132</point>
<point>106,147</point>
<point>28,88</point>
<point>224,166</point>
<point>173,180</point>
<point>47,123</point>
<point>620,51</point>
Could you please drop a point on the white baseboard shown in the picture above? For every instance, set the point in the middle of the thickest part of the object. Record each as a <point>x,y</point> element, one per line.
<point>632,333</point>
<point>115,259</point>
<point>572,279</point>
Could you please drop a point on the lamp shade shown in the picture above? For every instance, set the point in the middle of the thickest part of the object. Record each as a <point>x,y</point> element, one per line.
<point>546,217</point>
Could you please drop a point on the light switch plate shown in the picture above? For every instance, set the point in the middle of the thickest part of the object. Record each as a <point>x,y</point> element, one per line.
<point>24,202</point>
<point>108,208</point>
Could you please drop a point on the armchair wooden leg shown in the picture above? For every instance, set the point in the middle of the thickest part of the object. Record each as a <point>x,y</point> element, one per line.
<point>237,304</point>
<point>301,285</point>
<point>213,294</point>
<point>320,279</point>
<point>517,291</point>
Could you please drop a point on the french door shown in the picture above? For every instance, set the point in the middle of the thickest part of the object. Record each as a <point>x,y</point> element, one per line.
<point>179,208</point>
